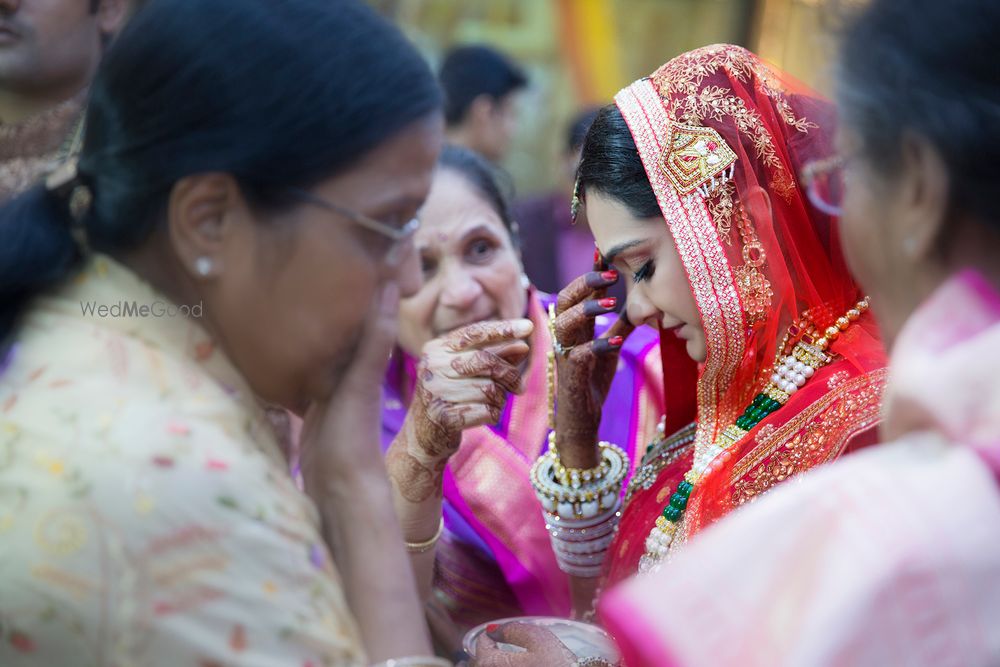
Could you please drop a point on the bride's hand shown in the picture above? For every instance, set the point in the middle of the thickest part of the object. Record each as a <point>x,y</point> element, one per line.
<point>463,380</point>
<point>584,372</point>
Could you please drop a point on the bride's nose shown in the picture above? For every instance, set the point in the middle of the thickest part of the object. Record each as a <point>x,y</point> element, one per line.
<point>639,308</point>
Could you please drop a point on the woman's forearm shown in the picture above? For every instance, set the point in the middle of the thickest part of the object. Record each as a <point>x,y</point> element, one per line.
<point>417,498</point>
<point>363,533</point>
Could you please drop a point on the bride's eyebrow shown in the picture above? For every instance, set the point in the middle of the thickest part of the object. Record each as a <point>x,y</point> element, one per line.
<point>620,248</point>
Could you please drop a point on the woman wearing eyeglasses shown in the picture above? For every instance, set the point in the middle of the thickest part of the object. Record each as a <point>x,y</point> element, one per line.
<point>690,184</point>
<point>235,234</point>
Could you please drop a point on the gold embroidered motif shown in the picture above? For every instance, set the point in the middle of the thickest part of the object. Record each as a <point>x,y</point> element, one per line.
<point>679,82</point>
<point>816,435</point>
<point>754,287</point>
<point>721,206</point>
<point>696,158</point>
<point>837,379</point>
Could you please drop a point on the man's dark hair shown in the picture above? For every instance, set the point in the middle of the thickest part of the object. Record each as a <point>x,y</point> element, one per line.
<point>470,71</point>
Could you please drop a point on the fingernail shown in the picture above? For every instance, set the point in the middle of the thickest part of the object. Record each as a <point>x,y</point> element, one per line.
<point>609,302</point>
<point>610,275</point>
<point>597,280</point>
<point>523,328</point>
<point>616,341</point>
<point>492,627</point>
<point>597,255</point>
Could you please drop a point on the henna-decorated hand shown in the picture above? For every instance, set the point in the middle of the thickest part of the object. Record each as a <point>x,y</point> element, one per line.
<point>584,375</point>
<point>463,380</point>
<point>542,648</point>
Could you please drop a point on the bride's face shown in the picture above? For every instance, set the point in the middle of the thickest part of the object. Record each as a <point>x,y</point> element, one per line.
<point>643,251</point>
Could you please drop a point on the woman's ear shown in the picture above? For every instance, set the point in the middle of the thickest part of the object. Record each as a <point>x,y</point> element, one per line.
<point>197,221</point>
<point>112,15</point>
<point>923,198</point>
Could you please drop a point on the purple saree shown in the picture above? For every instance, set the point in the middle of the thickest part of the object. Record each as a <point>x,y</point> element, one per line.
<point>494,559</point>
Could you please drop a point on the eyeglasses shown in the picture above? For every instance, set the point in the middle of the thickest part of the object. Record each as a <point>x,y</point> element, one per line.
<point>824,181</point>
<point>398,236</point>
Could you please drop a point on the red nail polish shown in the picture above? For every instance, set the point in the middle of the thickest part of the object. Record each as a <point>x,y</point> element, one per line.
<point>616,341</point>
<point>492,627</point>
<point>608,303</point>
<point>597,255</point>
<point>610,275</point>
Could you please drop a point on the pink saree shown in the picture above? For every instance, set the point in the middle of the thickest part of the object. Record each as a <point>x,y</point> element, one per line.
<point>888,557</point>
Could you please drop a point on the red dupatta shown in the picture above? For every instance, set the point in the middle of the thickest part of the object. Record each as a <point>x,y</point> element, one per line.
<point>723,138</point>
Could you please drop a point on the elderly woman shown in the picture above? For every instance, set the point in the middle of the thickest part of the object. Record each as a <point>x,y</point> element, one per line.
<point>493,557</point>
<point>236,174</point>
<point>889,557</point>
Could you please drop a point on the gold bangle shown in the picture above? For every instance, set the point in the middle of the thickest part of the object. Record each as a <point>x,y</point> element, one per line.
<point>574,477</point>
<point>424,547</point>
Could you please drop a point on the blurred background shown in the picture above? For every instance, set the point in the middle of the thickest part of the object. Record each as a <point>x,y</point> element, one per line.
<point>579,53</point>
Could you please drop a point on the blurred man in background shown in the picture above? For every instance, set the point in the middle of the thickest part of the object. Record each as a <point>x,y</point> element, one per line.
<point>480,86</point>
<point>554,250</point>
<point>49,51</point>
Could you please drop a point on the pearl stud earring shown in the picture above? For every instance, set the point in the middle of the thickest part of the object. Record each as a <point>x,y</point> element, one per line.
<point>203,266</point>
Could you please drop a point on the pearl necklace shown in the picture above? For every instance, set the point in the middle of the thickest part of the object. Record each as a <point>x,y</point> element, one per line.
<point>793,367</point>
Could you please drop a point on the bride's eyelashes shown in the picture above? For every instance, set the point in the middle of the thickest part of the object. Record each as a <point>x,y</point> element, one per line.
<point>644,273</point>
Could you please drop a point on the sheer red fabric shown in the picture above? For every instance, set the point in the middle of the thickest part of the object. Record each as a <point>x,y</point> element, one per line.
<point>723,138</point>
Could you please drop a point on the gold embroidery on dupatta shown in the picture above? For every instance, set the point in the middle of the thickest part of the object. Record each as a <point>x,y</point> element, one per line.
<point>720,206</point>
<point>679,82</point>
<point>816,435</point>
<point>754,287</point>
<point>701,251</point>
<point>696,158</point>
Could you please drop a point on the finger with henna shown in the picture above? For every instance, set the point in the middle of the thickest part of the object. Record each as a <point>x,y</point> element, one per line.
<point>483,364</point>
<point>614,337</point>
<point>488,333</point>
<point>513,353</point>
<point>584,287</point>
<point>575,326</point>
